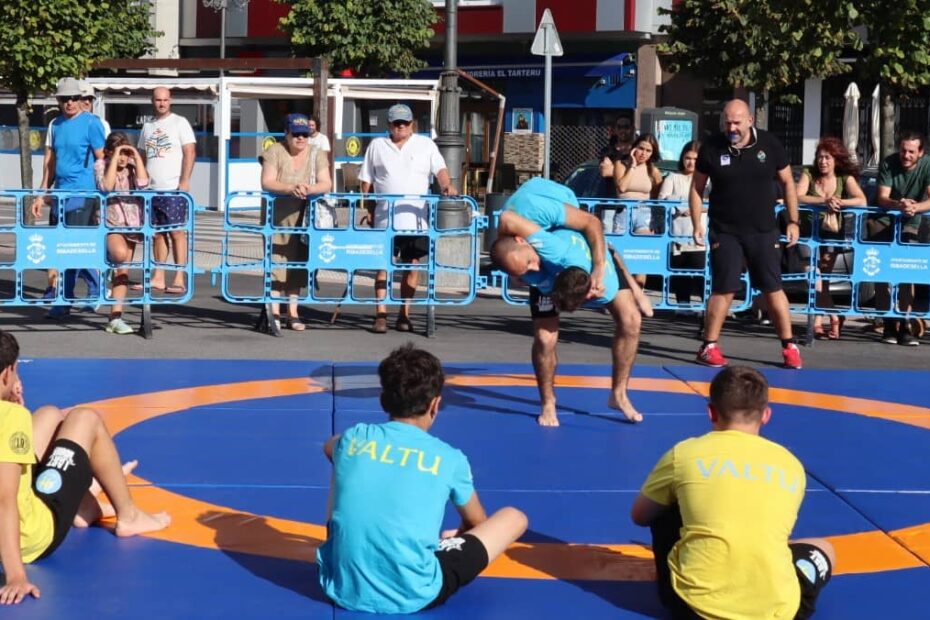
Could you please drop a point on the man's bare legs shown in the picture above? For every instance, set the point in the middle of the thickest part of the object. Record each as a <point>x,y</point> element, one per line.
<point>717,308</point>
<point>160,254</point>
<point>85,427</point>
<point>627,323</point>
<point>545,361</point>
<point>179,252</point>
<point>780,313</point>
<point>408,288</point>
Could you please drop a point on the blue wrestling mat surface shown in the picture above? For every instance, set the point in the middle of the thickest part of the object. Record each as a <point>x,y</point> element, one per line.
<point>233,450</point>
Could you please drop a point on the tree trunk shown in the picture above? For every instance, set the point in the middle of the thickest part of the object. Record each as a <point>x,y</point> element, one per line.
<point>25,149</point>
<point>887,126</point>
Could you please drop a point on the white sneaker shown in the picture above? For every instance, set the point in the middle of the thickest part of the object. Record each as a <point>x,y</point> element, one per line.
<point>119,326</point>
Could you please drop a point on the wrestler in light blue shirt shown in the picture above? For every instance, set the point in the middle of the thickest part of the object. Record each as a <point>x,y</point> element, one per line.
<point>564,248</point>
<point>542,202</point>
<point>390,489</point>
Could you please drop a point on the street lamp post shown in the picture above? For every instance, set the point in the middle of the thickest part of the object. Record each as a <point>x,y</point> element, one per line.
<point>221,6</point>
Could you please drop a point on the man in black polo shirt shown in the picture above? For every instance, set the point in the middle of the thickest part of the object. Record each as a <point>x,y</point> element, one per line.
<point>742,164</point>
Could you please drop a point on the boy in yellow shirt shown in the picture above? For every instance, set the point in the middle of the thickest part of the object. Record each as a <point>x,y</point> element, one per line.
<point>71,450</point>
<point>722,507</point>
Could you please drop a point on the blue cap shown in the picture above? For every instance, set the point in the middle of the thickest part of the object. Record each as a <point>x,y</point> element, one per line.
<point>298,123</point>
<point>400,112</point>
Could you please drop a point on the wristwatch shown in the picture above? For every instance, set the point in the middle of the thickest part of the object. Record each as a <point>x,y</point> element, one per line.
<point>795,222</point>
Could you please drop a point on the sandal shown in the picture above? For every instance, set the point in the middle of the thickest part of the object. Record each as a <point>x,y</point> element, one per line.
<point>294,323</point>
<point>819,332</point>
<point>836,327</point>
<point>380,324</point>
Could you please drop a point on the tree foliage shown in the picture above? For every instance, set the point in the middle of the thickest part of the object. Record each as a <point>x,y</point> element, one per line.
<point>42,41</point>
<point>761,45</point>
<point>897,42</point>
<point>373,38</point>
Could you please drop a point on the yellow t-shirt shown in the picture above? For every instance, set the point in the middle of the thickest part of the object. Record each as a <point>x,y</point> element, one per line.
<point>739,496</point>
<point>36,526</point>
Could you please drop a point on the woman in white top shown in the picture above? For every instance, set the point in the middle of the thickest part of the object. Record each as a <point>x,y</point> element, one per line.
<point>685,255</point>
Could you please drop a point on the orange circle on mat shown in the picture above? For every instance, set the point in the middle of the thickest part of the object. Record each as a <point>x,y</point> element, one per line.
<point>200,523</point>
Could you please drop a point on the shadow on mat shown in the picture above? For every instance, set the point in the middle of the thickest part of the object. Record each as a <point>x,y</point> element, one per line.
<point>285,559</point>
<point>624,580</point>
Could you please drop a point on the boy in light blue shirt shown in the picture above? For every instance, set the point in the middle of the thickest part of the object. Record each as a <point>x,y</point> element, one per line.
<point>384,551</point>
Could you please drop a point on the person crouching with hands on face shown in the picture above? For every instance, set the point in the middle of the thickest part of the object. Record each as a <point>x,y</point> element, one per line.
<point>122,169</point>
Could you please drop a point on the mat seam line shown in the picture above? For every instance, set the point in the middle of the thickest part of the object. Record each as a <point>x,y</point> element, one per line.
<point>862,514</point>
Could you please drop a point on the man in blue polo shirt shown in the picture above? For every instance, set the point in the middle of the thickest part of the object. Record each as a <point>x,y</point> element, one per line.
<point>546,240</point>
<point>77,142</point>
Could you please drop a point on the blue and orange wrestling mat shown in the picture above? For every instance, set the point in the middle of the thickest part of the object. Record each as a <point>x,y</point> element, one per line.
<point>233,450</point>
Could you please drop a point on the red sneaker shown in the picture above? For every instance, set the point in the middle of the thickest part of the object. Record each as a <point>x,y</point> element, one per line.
<point>792,356</point>
<point>711,355</point>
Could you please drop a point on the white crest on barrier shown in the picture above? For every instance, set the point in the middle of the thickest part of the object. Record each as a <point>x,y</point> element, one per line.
<point>327,249</point>
<point>871,264</point>
<point>35,251</point>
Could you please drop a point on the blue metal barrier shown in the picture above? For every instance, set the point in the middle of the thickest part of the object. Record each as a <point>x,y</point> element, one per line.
<point>346,246</point>
<point>69,234</point>
<point>643,233</point>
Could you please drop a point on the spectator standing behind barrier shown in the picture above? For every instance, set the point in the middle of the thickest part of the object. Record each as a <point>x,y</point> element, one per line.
<point>295,172</point>
<point>903,185</point>
<point>618,148</point>
<point>385,552</point>
<point>639,179</point>
<point>402,163</point>
<point>676,186</point>
<point>619,144</point>
<point>169,147</point>
<point>741,165</point>
<point>721,508</point>
<point>832,182</point>
<point>87,103</point>
<point>77,142</point>
<point>121,170</point>
<point>317,139</point>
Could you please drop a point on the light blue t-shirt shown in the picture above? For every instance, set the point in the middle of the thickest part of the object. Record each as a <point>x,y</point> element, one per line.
<point>563,248</point>
<point>74,141</point>
<point>542,201</point>
<point>390,489</point>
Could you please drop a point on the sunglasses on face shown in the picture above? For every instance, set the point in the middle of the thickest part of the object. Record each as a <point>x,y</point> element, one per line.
<point>301,135</point>
<point>623,126</point>
<point>71,98</point>
<point>400,123</point>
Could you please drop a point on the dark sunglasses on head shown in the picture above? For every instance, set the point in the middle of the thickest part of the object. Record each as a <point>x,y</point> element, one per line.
<point>71,98</point>
<point>400,123</point>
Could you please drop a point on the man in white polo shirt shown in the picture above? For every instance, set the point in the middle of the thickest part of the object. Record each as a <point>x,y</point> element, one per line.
<point>403,163</point>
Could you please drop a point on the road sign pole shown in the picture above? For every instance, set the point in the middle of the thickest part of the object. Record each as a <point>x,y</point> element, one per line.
<point>547,111</point>
<point>547,43</point>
